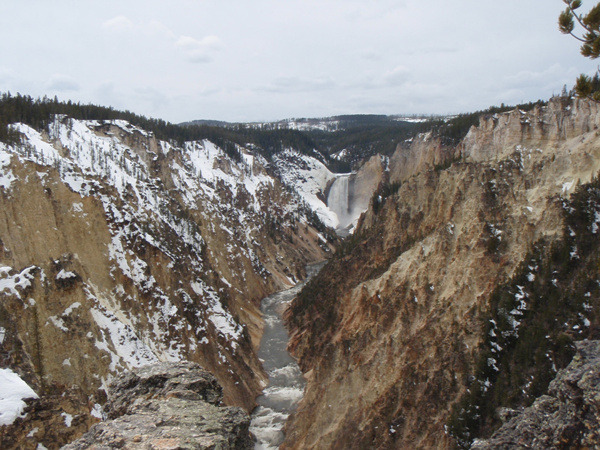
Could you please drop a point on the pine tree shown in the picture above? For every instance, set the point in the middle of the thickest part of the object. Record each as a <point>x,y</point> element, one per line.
<point>589,27</point>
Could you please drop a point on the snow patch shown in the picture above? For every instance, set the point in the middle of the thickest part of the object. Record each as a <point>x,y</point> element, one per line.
<point>13,390</point>
<point>309,177</point>
<point>12,284</point>
<point>219,317</point>
<point>6,175</point>
<point>68,419</point>
<point>126,344</point>
<point>65,275</point>
<point>77,207</point>
<point>567,186</point>
<point>96,411</point>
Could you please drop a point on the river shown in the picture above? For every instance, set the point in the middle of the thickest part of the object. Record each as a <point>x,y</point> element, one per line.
<point>286,384</point>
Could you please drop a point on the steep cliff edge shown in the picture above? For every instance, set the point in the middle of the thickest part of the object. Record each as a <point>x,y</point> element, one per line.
<point>567,417</point>
<point>168,405</point>
<point>387,351</point>
<point>119,250</point>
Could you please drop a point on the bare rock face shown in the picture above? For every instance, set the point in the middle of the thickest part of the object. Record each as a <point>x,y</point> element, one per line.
<point>119,250</point>
<point>167,406</point>
<point>365,181</point>
<point>424,153</point>
<point>385,350</point>
<point>559,121</point>
<point>497,135</point>
<point>568,417</point>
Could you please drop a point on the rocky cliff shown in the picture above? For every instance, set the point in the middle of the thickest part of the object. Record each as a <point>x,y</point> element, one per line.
<point>567,417</point>
<point>119,250</point>
<point>425,152</point>
<point>168,405</point>
<point>389,350</point>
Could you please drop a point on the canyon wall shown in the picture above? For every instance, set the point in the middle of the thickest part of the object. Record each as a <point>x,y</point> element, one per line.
<point>388,350</point>
<point>364,182</point>
<point>119,250</point>
<point>567,417</point>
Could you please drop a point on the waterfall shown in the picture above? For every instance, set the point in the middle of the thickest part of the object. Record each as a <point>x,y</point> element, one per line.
<point>338,200</point>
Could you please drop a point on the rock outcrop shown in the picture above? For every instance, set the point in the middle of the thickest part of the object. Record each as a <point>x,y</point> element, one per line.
<point>166,406</point>
<point>424,153</point>
<point>568,417</point>
<point>561,120</point>
<point>363,183</point>
<point>386,351</point>
<point>497,135</point>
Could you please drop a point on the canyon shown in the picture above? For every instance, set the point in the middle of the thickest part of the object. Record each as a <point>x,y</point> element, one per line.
<point>120,250</point>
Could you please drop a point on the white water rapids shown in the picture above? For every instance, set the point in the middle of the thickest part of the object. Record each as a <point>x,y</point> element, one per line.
<point>286,384</point>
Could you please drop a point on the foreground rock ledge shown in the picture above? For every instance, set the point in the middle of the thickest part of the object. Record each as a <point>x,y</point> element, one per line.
<point>168,406</point>
<point>568,417</point>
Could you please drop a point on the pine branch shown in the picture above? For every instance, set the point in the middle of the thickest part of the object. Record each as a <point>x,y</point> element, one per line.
<point>578,38</point>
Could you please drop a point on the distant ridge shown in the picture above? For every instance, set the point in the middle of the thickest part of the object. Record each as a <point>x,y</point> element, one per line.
<point>332,123</point>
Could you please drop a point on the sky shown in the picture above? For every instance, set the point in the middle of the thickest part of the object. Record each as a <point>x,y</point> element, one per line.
<point>265,60</point>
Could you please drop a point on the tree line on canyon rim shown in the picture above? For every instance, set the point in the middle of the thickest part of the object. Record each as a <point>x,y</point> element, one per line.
<point>363,135</point>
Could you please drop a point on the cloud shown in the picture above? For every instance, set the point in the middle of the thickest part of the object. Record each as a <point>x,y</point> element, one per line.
<point>194,50</point>
<point>429,50</point>
<point>62,83</point>
<point>106,93</point>
<point>371,55</point>
<point>119,23</point>
<point>529,77</point>
<point>397,76</point>
<point>375,10</point>
<point>158,28</point>
<point>299,84</point>
<point>511,96</point>
<point>199,51</point>
<point>400,76</point>
<point>151,96</point>
<point>6,75</point>
<point>534,83</point>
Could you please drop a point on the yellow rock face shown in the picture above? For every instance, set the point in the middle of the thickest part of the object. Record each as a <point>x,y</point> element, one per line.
<point>386,349</point>
<point>118,250</point>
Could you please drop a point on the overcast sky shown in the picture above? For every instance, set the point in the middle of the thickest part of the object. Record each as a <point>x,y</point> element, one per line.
<point>254,60</point>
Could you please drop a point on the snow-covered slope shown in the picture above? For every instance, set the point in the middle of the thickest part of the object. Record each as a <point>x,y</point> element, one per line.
<point>310,178</point>
<point>118,249</point>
